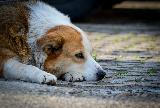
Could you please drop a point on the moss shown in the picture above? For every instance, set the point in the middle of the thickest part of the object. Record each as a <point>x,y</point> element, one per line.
<point>138,79</point>
<point>94,55</point>
<point>152,71</point>
<point>121,73</point>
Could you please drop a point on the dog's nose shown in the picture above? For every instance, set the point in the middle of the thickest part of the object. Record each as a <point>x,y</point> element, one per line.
<point>100,74</point>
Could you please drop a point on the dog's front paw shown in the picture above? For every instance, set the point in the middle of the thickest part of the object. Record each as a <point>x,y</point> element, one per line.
<point>73,77</point>
<point>49,79</point>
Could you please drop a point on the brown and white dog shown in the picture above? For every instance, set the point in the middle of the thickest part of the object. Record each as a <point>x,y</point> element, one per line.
<point>40,44</point>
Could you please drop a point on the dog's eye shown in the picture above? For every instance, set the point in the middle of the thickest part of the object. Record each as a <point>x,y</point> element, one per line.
<point>79,55</point>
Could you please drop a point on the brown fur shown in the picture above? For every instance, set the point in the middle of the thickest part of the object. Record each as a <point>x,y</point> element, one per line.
<point>69,42</point>
<point>13,32</point>
<point>60,43</point>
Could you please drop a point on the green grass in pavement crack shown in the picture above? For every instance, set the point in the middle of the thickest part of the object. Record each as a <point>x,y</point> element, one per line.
<point>121,73</point>
<point>138,79</point>
<point>151,71</point>
<point>94,55</point>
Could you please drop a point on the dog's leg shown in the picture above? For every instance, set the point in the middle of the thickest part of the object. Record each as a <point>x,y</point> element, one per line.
<point>13,69</point>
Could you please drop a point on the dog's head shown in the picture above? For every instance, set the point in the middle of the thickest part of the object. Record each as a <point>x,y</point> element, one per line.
<point>69,55</point>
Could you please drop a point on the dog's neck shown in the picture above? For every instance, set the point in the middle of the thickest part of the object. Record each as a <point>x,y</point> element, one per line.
<point>43,17</point>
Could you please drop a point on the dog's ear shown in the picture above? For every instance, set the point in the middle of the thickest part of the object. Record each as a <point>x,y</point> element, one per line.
<point>51,43</point>
<point>52,48</point>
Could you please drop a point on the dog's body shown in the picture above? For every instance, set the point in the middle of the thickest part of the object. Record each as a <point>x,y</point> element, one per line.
<point>39,44</point>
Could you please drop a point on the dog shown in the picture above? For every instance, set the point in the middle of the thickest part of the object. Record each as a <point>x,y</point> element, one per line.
<point>40,44</point>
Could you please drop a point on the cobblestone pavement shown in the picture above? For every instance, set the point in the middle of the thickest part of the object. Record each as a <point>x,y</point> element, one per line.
<point>131,60</point>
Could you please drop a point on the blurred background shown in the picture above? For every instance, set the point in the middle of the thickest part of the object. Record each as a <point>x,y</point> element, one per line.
<point>108,10</point>
<point>101,11</point>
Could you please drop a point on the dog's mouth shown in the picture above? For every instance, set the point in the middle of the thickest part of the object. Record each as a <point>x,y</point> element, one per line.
<point>63,78</point>
<point>71,77</point>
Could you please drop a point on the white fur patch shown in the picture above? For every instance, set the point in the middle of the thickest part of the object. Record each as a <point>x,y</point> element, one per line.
<point>13,69</point>
<point>42,18</point>
<point>91,69</point>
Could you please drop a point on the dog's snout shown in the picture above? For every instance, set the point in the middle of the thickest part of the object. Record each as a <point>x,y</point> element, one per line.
<point>100,74</point>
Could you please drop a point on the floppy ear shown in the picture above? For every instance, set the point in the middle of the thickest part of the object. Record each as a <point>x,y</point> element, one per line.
<point>52,49</point>
<point>51,43</point>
